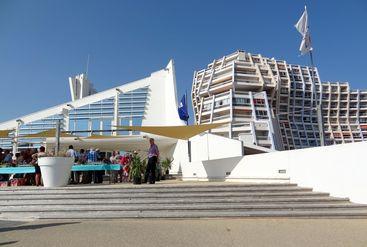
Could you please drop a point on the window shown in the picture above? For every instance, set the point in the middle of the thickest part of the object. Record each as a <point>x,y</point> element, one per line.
<point>124,122</point>
<point>262,114</point>
<point>137,121</point>
<point>107,125</point>
<point>241,101</point>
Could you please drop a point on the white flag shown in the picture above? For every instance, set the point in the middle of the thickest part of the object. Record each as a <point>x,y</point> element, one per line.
<point>305,44</point>
<point>302,27</point>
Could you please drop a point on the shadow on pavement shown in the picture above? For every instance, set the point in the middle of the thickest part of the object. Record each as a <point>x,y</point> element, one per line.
<point>34,227</point>
<point>9,242</point>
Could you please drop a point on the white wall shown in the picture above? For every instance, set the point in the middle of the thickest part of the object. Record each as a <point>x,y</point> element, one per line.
<point>162,101</point>
<point>234,169</point>
<point>204,147</point>
<point>179,153</point>
<point>209,146</point>
<point>340,170</point>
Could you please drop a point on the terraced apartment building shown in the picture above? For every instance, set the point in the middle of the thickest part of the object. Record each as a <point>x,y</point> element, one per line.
<point>344,113</point>
<point>273,104</point>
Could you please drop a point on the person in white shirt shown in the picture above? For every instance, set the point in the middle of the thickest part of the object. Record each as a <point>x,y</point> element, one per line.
<point>72,153</point>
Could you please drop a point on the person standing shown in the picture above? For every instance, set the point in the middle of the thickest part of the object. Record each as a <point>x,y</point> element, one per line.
<point>35,158</point>
<point>92,156</point>
<point>1,155</point>
<point>74,175</point>
<point>8,157</point>
<point>153,155</point>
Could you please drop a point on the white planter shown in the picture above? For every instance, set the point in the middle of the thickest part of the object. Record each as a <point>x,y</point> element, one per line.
<point>55,170</point>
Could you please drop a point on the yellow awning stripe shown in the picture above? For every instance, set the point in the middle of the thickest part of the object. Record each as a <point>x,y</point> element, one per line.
<point>47,134</point>
<point>177,132</point>
<point>5,133</point>
<point>99,137</point>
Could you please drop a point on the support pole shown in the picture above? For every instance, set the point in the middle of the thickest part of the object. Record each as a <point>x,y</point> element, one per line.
<point>318,104</point>
<point>57,147</point>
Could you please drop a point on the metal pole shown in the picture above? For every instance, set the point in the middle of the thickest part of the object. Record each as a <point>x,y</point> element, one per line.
<point>321,124</point>
<point>57,147</point>
<point>318,104</point>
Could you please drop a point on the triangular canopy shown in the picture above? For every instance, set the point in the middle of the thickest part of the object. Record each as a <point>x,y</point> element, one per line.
<point>47,134</point>
<point>177,132</point>
<point>5,133</point>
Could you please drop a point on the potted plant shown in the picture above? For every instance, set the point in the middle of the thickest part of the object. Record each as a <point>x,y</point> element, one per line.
<point>136,169</point>
<point>166,166</point>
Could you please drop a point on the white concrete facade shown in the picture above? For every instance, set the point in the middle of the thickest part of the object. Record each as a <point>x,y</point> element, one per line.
<point>80,87</point>
<point>339,169</point>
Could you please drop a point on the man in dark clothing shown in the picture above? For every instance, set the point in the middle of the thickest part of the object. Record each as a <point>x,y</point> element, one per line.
<point>153,155</point>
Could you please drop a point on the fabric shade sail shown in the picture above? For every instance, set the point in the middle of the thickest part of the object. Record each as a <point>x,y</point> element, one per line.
<point>5,133</point>
<point>178,132</point>
<point>47,134</point>
<point>100,137</point>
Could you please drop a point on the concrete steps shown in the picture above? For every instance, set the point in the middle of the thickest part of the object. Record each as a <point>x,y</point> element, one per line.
<point>178,200</point>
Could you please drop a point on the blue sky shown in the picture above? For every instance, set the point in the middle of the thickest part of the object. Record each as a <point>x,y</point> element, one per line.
<point>42,42</point>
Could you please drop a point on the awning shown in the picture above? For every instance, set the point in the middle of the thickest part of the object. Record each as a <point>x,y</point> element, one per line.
<point>5,133</point>
<point>47,134</point>
<point>177,132</point>
<point>100,137</point>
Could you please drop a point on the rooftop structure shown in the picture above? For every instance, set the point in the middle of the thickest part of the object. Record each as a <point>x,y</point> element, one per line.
<point>80,87</point>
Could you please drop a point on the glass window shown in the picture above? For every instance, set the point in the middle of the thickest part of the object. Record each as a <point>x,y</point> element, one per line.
<point>124,122</point>
<point>137,121</point>
<point>107,125</point>
<point>81,125</point>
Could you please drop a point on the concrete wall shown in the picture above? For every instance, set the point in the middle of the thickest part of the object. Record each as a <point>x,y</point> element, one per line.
<point>208,147</point>
<point>161,109</point>
<point>234,169</point>
<point>340,170</point>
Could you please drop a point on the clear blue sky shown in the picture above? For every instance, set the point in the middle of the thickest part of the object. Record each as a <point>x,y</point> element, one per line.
<point>42,42</point>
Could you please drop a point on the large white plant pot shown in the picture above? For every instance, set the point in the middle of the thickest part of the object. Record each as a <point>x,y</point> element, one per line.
<point>55,170</point>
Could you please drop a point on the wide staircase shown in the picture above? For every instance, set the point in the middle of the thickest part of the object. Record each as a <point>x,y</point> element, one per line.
<point>173,200</point>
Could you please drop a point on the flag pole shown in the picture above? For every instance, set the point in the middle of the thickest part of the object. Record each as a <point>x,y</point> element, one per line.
<point>187,121</point>
<point>303,28</point>
<point>318,103</point>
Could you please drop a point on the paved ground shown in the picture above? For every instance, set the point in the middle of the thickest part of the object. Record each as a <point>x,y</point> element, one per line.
<point>218,232</point>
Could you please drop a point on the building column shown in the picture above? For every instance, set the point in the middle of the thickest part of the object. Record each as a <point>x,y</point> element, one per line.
<point>115,121</point>
<point>15,140</point>
<point>230,134</point>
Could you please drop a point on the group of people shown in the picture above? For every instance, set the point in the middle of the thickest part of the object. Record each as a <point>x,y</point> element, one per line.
<point>30,156</point>
<point>25,157</point>
<point>124,160</point>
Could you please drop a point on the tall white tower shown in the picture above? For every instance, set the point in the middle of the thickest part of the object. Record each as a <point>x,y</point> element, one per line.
<point>80,87</point>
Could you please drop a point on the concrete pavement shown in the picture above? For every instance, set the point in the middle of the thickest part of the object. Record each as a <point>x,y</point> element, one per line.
<point>199,232</point>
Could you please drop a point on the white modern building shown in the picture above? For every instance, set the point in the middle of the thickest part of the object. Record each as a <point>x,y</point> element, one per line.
<point>276,105</point>
<point>150,102</point>
<point>344,113</point>
<point>266,100</point>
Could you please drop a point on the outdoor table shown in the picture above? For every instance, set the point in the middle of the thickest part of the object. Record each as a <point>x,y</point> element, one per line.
<point>17,170</point>
<point>75,168</point>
